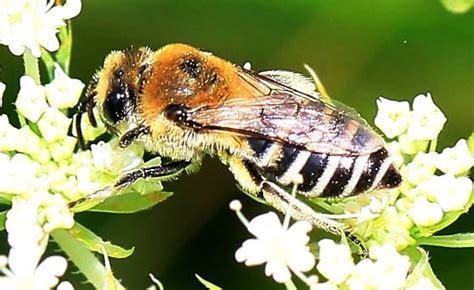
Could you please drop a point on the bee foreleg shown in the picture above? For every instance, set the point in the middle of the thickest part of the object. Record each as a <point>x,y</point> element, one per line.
<point>298,210</point>
<point>86,105</point>
<point>132,135</point>
<point>151,172</point>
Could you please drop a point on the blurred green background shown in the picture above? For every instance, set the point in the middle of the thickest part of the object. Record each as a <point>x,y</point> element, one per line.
<point>360,49</point>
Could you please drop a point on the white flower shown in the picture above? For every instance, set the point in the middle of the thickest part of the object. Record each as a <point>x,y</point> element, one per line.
<point>323,286</point>
<point>45,276</point>
<point>390,226</point>
<point>283,250</point>
<point>421,168</point>
<point>335,261</point>
<point>363,276</point>
<point>63,92</point>
<point>18,174</point>
<point>451,193</point>
<point>65,285</point>
<point>26,141</point>
<point>57,213</point>
<point>54,125</point>
<point>33,24</point>
<point>392,268</point>
<point>425,213</point>
<point>28,242</point>
<point>7,134</point>
<point>85,183</point>
<point>25,236</point>
<point>2,90</point>
<point>63,149</point>
<point>410,146</point>
<point>109,158</point>
<point>31,101</point>
<point>423,284</point>
<point>387,270</point>
<point>392,117</point>
<point>395,152</point>
<point>427,119</point>
<point>456,160</point>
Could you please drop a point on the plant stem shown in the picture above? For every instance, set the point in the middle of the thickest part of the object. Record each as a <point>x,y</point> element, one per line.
<point>32,70</point>
<point>31,66</point>
<point>290,285</point>
<point>433,144</point>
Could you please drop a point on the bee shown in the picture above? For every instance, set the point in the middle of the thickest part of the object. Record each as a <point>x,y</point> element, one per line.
<point>273,129</point>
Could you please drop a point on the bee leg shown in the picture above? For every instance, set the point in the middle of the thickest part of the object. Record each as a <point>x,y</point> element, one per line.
<point>151,172</point>
<point>132,135</point>
<point>97,197</point>
<point>283,201</point>
<point>298,210</point>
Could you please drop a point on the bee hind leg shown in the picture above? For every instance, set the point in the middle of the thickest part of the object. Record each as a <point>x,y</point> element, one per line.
<point>298,210</point>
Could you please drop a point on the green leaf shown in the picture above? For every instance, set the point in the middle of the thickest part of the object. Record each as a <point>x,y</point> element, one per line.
<point>334,206</point>
<point>5,198</point>
<point>470,143</point>
<point>3,218</point>
<point>95,243</point>
<point>422,268</point>
<point>131,202</point>
<point>84,259</point>
<point>462,240</point>
<point>208,284</point>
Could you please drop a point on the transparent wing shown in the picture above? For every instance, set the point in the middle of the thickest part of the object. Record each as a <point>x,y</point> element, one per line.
<point>283,114</point>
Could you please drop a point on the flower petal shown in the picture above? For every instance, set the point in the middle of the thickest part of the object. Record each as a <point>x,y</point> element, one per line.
<point>278,271</point>
<point>265,225</point>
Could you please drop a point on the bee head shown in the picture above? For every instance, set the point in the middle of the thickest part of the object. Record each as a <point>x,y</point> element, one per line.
<point>120,99</point>
<point>115,88</point>
<point>123,75</point>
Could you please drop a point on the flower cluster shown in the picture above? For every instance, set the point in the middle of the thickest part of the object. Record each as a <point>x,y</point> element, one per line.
<point>41,172</point>
<point>285,251</point>
<point>435,184</point>
<point>27,224</point>
<point>385,268</point>
<point>33,24</point>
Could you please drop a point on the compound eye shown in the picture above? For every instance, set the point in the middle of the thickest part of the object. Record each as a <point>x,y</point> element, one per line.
<point>115,106</point>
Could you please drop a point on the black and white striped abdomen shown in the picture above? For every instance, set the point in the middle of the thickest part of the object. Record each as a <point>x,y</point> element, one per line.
<point>323,174</point>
